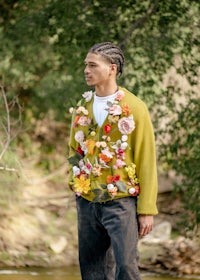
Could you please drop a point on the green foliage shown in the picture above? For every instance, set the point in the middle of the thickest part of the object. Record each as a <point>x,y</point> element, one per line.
<point>179,148</point>
<point>45,43</point>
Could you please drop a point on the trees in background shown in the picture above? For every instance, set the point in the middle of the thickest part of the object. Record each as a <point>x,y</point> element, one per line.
<point>44,43</point>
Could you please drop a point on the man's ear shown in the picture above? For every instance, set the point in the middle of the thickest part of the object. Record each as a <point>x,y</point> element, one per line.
<point>113,68</point>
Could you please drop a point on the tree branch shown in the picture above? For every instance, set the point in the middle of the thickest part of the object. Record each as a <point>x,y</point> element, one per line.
<point>8,126</point>
<point>140,22</point>
<point>5,168</point>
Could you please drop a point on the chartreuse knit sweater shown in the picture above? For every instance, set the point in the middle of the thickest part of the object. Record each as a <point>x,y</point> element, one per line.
<point>93,148</point>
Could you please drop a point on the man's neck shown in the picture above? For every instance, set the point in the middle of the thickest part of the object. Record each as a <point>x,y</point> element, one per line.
<point>106,90</point>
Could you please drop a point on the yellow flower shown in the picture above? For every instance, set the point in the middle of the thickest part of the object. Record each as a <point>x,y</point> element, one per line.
<point>82,185</point>
<point>131,170</point>
<point>90,144</point>
<point>113,119</point>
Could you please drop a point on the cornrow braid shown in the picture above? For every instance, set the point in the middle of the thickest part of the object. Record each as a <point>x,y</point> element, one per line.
<point>111,52</point>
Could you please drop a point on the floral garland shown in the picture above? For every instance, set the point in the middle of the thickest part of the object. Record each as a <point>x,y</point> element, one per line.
<point>82,171</point>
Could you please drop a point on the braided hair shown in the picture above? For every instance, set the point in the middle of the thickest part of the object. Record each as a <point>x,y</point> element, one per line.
<point>110,52</point>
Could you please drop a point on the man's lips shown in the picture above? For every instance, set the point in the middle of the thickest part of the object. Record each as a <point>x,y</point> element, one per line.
<point>87,78</point>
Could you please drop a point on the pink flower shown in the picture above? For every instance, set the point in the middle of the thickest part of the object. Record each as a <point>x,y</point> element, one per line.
<point>120,95</point>
<point>88,168</point>
<point>84,121</point>
<point>119,164</point>
<point>79,136</point>
<point>115,110</point>
<point>120,153</point>
<point>126,125</point>
<point>87,95</point>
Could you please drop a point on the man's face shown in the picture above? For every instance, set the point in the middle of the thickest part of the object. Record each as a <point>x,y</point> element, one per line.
<point>97,70</point>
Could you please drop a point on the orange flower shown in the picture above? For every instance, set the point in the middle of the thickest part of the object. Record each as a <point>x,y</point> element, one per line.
<point>126,109</point>
<point>104,158</point>
<point>90,144</point>
<point>109,179</point>
<point>76,120</point>
<point>114,191</point>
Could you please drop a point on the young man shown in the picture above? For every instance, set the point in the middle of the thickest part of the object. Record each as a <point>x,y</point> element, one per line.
<point>112,170</point>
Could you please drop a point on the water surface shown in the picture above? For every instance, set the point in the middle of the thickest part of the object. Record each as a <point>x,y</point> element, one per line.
<point>63,274</point>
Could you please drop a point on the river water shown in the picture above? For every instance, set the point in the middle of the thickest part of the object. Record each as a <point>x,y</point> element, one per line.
<point>63,274</point>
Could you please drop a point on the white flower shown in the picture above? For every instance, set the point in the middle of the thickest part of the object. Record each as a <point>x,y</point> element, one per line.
<point>124,145</point>
<point>79,136</point>
<point>124,138</point>
<point>116,145</point>
<point>87,95</point>
<point>107,153</point>
<point>71,110</point>
<point>85,112</point>
<point>110,187</point>
<point>80,109</point>
<point>76,171</point>
<point>131,190</point>
<point>84,148</point>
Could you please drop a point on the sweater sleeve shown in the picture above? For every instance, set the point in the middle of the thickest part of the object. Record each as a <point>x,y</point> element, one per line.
<point>145,160</point>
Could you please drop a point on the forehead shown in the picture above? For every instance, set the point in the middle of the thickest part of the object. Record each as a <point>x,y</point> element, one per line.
<point>95,58</point>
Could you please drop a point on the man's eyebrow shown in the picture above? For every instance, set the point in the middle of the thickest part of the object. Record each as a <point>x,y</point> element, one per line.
<point>89,62</point>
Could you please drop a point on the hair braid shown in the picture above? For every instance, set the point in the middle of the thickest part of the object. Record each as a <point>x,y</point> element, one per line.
<point>111,52</point>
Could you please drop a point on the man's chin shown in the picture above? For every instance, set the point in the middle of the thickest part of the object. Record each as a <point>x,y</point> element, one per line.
<point>89,83</point>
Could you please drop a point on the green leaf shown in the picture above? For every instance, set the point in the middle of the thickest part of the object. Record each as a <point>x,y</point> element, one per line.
<point>121,186</point>
<point>104,186</point>
<point>74,160</point>
<point>97,192</point>
<point>100,195</point>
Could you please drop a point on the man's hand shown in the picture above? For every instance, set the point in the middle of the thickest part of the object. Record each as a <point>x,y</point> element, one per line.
<point>145,224</point>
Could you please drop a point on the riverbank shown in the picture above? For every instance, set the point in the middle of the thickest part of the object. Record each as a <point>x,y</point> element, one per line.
<point>40,230</point>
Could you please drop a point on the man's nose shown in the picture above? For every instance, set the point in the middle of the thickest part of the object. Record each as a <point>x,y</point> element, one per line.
<point>86,70</point>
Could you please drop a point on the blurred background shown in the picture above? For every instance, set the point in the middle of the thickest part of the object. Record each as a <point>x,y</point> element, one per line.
<point>43,44</point>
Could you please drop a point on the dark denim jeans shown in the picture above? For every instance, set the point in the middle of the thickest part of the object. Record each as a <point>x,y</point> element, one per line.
<point>108,237</point>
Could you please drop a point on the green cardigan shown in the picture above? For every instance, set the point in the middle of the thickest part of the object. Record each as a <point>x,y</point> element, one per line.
<point>88,142</point>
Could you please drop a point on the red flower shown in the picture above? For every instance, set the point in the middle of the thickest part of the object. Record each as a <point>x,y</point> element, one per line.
<point>115,178</point>
<point>112,179</point>
<point>107,128</point>
<point>80,151</point>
